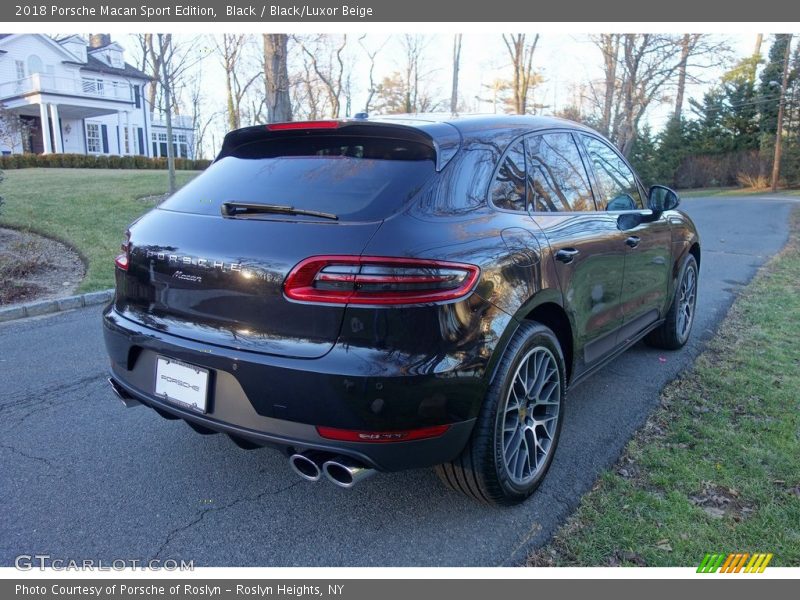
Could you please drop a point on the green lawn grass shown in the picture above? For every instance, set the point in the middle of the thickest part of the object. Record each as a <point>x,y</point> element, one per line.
<point>87,208</point>
<point>717,466</point>
<point>734,191</point>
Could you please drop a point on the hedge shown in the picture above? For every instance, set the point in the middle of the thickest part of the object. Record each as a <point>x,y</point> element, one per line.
<point>84,161</point>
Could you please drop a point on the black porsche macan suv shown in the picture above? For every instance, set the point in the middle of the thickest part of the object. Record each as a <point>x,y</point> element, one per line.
<point>385,294</point>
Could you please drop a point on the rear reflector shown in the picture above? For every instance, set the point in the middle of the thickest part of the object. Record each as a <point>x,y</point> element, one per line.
<point>349,435</point>
<point>378,280</point>
<point>303,125</point>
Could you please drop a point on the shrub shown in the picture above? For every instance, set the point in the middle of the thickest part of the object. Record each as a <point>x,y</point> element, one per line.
<point>83,161</point>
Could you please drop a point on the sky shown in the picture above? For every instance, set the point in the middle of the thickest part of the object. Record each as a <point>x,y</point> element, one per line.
<point>564,60</point>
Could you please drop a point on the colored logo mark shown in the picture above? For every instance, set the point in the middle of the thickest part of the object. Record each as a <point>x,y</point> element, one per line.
<point>735,563</point>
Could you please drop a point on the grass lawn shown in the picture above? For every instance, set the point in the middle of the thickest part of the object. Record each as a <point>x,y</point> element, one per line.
<point>87,208</point>
<point>717,466</point>
<point>734,191</point>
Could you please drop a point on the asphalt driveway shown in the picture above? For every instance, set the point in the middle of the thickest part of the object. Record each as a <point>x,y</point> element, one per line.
<point>82,477</point>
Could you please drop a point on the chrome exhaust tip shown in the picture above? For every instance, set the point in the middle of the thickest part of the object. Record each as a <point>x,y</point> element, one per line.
<point>127,400</point>
<point>307,464</point>
<point>346,472</point>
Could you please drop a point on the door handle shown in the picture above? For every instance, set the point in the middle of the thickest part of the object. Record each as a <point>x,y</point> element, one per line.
<point>633,241</point>
<point>567,255</point>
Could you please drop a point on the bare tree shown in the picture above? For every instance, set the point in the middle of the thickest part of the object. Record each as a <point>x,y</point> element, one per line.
<point>231,49</point>
<point>276,77</point>
<point>776,160</point>
<point>521,54</point>
<point>456,66</point>
<point>175,63</point>
<point>608,44</point>
<point>14,132</point>
<point>325,56</point>
<point>371,53</point>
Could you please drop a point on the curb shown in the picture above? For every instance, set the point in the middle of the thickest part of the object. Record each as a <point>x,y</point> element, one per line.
<point>45,307</point>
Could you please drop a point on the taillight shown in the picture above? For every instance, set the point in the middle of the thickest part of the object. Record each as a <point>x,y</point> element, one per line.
<point>378,280</point>
<point>302,125</point>
<point>123,259</point>
<point>408,435</point>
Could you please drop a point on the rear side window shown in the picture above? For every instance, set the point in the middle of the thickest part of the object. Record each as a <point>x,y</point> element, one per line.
<point>508,186</point>
<point>557,179</point>
<point>618,189</point>
<point>355,178</point>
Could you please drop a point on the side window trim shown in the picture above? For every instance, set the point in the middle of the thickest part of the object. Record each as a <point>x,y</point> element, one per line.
<point>577,137</point>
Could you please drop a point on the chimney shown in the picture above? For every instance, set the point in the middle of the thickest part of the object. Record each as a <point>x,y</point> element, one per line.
<point>98,40</point>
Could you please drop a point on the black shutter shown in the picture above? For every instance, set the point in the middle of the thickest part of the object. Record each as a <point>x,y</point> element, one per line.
<point>104,134</point>
<point>137,96</point>
<point>140,135</point>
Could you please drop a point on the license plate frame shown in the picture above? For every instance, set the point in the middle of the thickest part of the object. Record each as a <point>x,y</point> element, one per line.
<point>182,383</point>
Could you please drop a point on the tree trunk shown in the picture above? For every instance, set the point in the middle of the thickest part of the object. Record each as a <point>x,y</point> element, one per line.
<point>685,48</point>
<point>276,76</point>
<point>610,49</point>
<point>456,66</point>
<point>776,161</point>
<point>166,53</point>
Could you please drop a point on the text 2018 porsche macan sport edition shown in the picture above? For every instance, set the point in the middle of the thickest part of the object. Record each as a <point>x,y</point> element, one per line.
<point>385,294</point>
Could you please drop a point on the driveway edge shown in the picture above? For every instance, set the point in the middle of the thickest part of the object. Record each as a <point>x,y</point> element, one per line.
<point>45,307</point>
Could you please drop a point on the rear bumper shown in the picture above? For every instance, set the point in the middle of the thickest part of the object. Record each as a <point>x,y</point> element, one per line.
<point>279,401</point>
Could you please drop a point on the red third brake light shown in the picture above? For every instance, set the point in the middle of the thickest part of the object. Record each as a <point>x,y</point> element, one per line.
<point>303,125</point>
<point>378,280</point>
<point>123,259</point>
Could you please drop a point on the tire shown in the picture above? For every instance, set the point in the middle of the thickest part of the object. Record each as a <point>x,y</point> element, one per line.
<point>675,331</point>
<point>485,470</point>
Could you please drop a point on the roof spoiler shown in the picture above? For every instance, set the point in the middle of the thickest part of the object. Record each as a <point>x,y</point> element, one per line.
<point>442,137</point>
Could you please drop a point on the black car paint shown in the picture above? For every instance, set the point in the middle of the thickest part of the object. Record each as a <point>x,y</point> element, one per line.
<point>397,368</point>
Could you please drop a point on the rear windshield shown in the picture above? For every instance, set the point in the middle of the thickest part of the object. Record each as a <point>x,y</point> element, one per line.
<point>355,178</point>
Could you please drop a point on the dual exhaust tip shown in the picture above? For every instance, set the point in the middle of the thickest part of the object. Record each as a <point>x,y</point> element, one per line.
<point>311,465</point>
<point>342,471</point>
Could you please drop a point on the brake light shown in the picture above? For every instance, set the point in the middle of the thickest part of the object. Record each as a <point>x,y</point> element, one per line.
<point>303,125</point>
<point>378,280</point>
<point>350,435</point>
<point>122,260</point>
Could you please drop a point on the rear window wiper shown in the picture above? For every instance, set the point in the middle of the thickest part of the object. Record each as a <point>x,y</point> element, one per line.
<point>235,209</point>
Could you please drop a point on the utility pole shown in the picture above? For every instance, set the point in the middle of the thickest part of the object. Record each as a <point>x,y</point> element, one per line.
<point>776,161</point>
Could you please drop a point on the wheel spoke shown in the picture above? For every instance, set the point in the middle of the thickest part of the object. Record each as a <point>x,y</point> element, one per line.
<point>530,415</point>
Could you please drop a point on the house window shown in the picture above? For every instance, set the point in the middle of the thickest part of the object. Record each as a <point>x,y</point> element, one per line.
<point>35,64</point>
<point>20,69</point>
<point>93,141</point>
<point>127,139</point>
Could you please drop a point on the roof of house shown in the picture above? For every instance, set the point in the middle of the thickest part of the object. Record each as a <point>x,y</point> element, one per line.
<point>98,66</point>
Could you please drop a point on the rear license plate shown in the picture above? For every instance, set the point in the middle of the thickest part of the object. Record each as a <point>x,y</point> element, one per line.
<point>182,383</point>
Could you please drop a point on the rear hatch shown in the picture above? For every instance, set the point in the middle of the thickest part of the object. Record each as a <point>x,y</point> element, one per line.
<point>210,262</point>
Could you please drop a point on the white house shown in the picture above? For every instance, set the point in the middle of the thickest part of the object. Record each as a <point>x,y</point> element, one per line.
<point>79,97</point>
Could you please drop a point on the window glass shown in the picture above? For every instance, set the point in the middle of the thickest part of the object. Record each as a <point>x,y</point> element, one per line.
<point>93,138</point>
<point>508,187</point>
<point>618,189</point>
<point>354,177</point>
<point>557,179</point>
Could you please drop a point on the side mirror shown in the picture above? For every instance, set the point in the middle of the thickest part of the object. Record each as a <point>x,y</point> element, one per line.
<point>662,198</point>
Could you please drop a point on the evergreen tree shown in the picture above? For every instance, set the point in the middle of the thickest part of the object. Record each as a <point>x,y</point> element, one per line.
<point>645,158</point>
<point>770,89</point>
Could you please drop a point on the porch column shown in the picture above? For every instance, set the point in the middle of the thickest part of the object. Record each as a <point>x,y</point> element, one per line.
<point>131,133</point>
<point>59,142</point>
<point>45,126</point>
